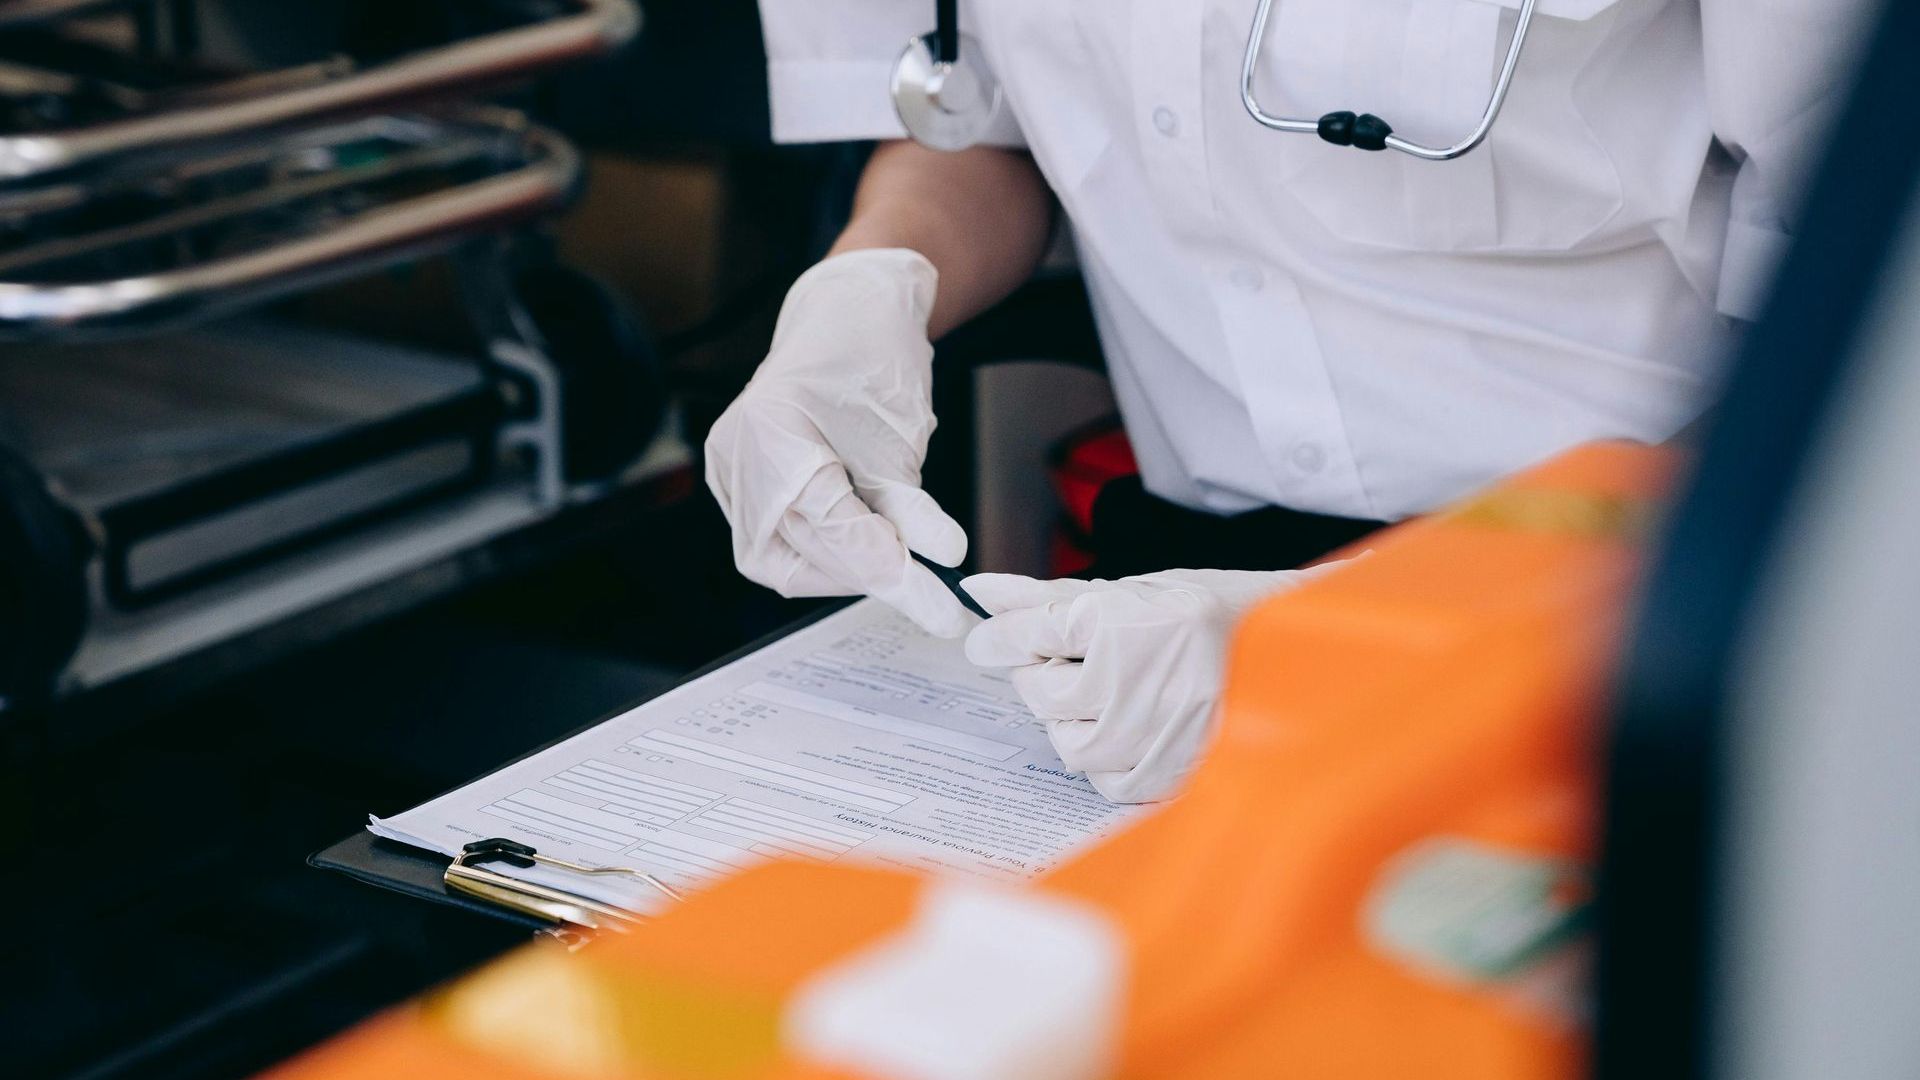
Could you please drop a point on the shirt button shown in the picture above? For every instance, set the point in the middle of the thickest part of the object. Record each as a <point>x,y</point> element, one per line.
<point>1246,278</point>
<point>1166,121</point>
<point>1309,458</point>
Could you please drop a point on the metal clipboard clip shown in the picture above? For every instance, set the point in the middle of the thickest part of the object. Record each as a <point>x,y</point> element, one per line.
<point>468,874</point>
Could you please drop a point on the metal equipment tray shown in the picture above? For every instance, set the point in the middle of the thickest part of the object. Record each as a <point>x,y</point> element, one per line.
<point>204,453</point>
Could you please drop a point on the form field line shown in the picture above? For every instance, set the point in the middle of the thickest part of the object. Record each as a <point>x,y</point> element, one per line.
<point>624,783</point>
<point>771,833</point>
<point>527,821</point>
<point>856,835</point>
<point>652,785</point>
<point>681,868</point>
<point>651,780</point>
<point>563,821</point>
<point>822,836</point>
<point>620,798</point>
<point>606,799</point>
<point>679,855</point>
<point>776,694</point>
<point>794,778</point>
<point>567,808</point>
<point>851,786</point>
<point>791,847</point>
<point>702,848</point>
<point>588,784</point>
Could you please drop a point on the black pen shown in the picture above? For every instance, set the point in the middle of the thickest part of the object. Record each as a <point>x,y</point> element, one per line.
<point>951,578</point>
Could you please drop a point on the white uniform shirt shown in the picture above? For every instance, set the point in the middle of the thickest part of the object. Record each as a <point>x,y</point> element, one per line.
<point>1365,334</point>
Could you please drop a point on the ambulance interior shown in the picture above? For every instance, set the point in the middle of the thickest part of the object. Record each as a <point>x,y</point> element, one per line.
<point>1686,674</point>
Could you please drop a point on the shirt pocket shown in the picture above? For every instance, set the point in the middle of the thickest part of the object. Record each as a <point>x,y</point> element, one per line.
<point>1542,182</point>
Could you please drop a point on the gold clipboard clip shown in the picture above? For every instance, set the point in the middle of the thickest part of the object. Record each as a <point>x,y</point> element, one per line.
<point>569,912</point>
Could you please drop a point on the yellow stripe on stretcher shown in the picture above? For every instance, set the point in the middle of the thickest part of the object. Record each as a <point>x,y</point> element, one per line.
<point>1561,511</point>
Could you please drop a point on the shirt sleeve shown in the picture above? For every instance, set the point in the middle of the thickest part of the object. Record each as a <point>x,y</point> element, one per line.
<point>1777,75</point>
<point>830,68</point>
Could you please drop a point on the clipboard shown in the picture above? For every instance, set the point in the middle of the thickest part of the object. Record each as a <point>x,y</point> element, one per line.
<point>469,883</point>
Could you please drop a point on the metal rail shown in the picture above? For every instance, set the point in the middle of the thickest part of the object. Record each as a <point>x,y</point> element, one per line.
<point>396,232</point>
<point>597,29</point>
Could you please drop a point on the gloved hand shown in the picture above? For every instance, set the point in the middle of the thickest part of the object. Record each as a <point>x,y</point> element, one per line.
<point>1126,673</point>
<point>816,464</point>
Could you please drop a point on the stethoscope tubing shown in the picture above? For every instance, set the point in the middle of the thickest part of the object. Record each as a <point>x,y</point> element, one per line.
<point>1363,131</point>
<point>1256,39</point>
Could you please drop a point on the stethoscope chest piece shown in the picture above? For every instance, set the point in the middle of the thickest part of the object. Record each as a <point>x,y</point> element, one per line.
<point>945,104</point>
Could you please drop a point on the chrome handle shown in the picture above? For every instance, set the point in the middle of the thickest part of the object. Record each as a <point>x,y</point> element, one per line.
<point>600,27</point>
<point>397,232</point>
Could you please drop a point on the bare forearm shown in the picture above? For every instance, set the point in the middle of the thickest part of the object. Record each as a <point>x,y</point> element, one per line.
<point>981,216</point>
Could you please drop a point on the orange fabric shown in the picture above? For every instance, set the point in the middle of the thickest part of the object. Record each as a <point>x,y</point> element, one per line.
<point>1447,686</point>
<point>399,1044</point>
<point>730,936</point>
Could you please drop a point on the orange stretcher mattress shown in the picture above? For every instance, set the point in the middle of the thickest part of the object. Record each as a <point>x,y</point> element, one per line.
<point>1381,870</point>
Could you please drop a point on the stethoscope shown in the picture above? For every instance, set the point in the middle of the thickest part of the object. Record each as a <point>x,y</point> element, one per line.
<point>948,99</point>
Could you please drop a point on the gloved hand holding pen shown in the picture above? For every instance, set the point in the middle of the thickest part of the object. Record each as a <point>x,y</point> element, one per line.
<point>1126,673</point>
<point>816,464</point>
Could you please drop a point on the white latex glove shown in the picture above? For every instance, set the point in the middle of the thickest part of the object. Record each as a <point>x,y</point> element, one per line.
<point>1126,673</point>
<point>816,464</point>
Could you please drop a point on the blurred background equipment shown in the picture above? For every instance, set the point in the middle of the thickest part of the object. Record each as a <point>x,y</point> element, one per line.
<point>231,477</point>
<point>351,354</point>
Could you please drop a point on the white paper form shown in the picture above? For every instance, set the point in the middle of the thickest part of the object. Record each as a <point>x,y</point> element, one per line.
<point>859,737</point>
